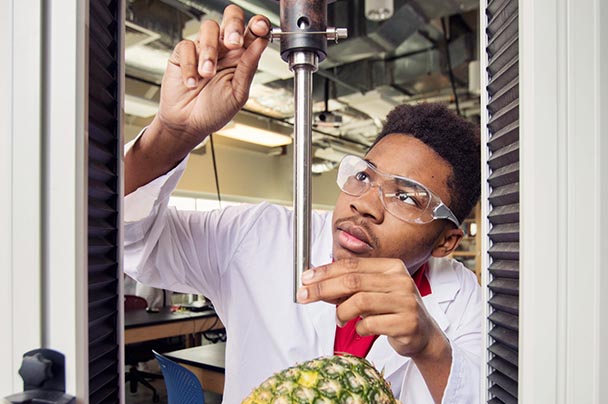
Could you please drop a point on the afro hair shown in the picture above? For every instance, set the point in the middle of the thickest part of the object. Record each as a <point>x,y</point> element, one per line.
<point>453,138</point>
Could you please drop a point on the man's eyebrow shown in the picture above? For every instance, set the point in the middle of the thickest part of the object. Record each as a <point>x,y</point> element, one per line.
<point>370,163</point>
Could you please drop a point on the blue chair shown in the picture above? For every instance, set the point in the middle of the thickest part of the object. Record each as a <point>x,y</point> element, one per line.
<point>183,387</point>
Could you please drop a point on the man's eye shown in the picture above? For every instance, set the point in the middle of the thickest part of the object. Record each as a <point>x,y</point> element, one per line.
<point>361,176</point>
<point>405,197</point>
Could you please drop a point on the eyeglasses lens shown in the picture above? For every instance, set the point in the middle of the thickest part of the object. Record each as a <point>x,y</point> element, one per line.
<point>405,199</point>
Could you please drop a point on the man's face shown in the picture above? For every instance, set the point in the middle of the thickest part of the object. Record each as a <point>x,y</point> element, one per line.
<point>361,225</point>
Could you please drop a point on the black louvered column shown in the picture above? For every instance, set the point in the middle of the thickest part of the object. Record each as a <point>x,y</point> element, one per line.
<point>503,126</point>
<point>104,238</point>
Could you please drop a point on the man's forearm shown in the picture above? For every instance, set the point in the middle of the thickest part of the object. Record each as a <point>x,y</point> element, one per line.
<point>154,154</point>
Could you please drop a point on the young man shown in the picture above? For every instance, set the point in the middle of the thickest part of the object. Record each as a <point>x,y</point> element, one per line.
<point>379,286</point>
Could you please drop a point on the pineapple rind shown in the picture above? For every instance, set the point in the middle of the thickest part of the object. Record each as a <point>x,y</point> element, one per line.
<point>342,379</point>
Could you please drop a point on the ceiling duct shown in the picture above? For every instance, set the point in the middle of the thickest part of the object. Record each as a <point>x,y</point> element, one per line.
<point>410,74</point>
<point>136,35</point>
<point>407,68</point>
<point>394,43</point>
<point>373,39</point>
<point>158,17</point>
<point>380,65</point>
<point>366,38</point>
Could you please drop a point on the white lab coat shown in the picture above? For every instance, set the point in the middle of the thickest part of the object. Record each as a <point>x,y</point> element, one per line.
<point>241,258</point>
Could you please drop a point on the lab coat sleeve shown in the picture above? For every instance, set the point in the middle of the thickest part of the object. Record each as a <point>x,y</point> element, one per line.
<point>464,316</point>
<point>465,374</point>
<point>178,250</point>
<point>464,382</point>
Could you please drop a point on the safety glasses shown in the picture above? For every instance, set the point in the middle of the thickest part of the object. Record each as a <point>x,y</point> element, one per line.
<point>402,197</point>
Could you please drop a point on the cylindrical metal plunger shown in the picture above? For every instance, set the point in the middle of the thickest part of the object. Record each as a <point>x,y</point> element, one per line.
<point>303,52</point>
<point>303,64</point>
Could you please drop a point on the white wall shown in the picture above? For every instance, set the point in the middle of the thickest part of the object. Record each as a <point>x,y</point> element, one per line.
<point>251,174</point>
<point>248,174</point>
<point>65,325</point>
<point>601,15</point>
<point>20,182</point>
<point>42,177</point>
<point>563,198</point>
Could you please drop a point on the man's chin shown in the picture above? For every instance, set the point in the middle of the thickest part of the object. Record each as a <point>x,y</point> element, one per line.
<point>341,253</point>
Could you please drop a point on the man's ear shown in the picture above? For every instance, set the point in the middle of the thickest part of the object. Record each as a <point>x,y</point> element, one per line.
<point>447,242</point>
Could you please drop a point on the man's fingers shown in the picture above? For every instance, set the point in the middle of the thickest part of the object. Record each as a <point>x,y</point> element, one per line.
<point>332,289</point>
<point>354,265</point>
<point>245,70</point>
<point>184,56</point>
<point>258,27</point>
<point>366,304</point>
<point>232,28</point>
<point>208,48</point>
<point>383,324</point>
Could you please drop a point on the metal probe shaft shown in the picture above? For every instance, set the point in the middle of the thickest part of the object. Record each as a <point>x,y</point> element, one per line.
<point>303,64</point>
<point>303,34</point>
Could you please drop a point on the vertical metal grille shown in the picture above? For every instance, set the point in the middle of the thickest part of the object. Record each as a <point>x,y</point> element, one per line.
<point>503,126</point>
<point>103,200</point>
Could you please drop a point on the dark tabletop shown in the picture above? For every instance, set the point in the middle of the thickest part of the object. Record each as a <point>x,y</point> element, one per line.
<point>140,317</point>
<point>210,356</point>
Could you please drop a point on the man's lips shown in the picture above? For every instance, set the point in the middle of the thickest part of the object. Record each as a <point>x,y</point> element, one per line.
<point>353,238</point>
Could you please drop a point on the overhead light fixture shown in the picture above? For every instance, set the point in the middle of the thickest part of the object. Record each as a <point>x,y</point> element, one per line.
<point>254,135</point>
<point>379,10</point>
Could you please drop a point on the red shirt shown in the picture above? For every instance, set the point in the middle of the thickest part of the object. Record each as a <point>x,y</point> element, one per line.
<point>348,341</point>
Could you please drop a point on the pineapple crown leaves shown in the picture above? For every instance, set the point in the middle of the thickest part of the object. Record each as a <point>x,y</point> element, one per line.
<point>331,379</point>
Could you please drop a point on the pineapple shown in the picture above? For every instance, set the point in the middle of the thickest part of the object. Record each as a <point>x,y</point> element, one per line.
<point>333,379</point>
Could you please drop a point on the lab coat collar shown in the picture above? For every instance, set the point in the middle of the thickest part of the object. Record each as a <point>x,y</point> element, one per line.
<point>443,279</point>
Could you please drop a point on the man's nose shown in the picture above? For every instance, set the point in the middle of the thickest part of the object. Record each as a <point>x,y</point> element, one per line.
<point>369,204</point>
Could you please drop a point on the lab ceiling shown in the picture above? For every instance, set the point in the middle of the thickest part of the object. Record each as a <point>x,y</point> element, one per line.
<point>382,64</point>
